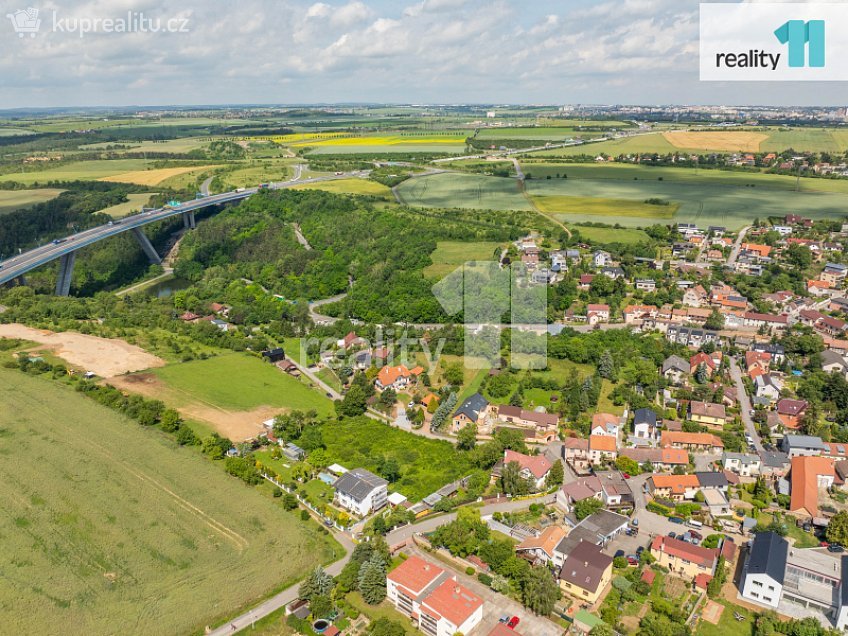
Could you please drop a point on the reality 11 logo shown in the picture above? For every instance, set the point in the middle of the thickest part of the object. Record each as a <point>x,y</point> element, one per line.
<point>802,35</point>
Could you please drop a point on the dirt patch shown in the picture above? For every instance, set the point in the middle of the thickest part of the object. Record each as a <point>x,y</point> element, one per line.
<point>729,141</point>
<point>152,177</point>
<point>234,425</point>
<point>712,612</point>
<point>107,357</point>
<point>674,587</point>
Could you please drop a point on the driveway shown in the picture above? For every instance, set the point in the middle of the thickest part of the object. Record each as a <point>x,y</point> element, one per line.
<point>744,404</point>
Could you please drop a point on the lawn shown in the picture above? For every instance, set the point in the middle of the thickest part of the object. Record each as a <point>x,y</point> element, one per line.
<point>384,610</point>
<point>426,464</point>
<point>449,255</point>
<point>727,624</point>
<point>12,200</point>
<point>111,528</point>
<point>624,235</point>
<point>240,382</point>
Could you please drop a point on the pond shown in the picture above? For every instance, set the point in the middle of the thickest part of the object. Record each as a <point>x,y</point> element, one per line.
<point>166,288</point>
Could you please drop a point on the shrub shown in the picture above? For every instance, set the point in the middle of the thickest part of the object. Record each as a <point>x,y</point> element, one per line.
<point>470,571</point>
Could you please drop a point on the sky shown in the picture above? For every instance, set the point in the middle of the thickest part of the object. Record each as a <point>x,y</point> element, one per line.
<point>384,51</point>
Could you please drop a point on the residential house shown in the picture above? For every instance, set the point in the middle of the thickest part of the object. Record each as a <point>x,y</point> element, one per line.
<point>396,377</point>
<point>585,572</point>
<point>757,320</point>
<point>834,273</point>
<point>791,412</point>
<point>540,549</point>
<point>605,424</point>
<point>712,480</point>
<point>707,361</point>
<point>524,418</point>
<point>673,487</point>
<point>473,410</point>
<point>646,284</point>
<point>743,464</point>
<point>774,464</point>
<point>602,448</point>
<point>360,491</point>
<point>612,272</point>
<point>833,362</point>
<point>575,451</point>
<point>717,503</point>
<point>666,459</point>
<point>809,475</point>
<point>437,603</point>
<point>675,369</point>
<point>764,571</point>
<point>350,341</point>
<point>768,386</point>
<point>597,313</point>
<point>615,491</point>
<point>534,468</point>
<point>776,351</point>
<point>802,445</point>
<point>691,441</point>
<point>645,424</point>
<point>582,488</point>
<point>684,558</point>
<point>707,413</point>
<point>601,259</point>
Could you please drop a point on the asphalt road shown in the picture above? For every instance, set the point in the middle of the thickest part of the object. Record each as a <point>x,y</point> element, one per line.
<point>744,404</point>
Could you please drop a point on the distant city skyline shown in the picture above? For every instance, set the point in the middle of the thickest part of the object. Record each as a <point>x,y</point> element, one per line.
<point>268,52</point>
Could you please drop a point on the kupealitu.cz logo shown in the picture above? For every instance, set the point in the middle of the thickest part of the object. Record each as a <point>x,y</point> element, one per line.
<point>28,22</point>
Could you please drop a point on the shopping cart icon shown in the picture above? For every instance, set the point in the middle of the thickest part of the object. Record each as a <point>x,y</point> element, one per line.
<point>25,21</point>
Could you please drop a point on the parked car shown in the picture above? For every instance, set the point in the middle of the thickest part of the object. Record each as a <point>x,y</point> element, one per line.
<point>632,559</point>
<point>835,547</point>
<point>823,544</point>
<point>640,550</point>
<point>672,535</point>
<point>635,522</point>
<point>696,535</point>
<point>504,618</point>
<point>675,519</point>
<point>513,622</point>
<point>625,475</point>
<point>618,553</point>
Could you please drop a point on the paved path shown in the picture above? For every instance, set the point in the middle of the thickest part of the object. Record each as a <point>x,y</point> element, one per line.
<point>204,187</point>
<point>300,237</point>
<point>744,404</point>
<point>737,246</point>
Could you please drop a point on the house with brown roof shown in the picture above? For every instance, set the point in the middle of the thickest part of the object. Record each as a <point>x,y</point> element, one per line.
<point>586,572</point>
<point>596,313</point>
<point>541,548</point>
<point>605,424</point>
<point>684,558</point>
<point>791,412</point>
<point>673,487</point>
<point>575,451</point>
<point>601,448</point>
<point>518,416</point>
<point>808,476</point>
<point>396,377</point>
<point>534,468</point>
<point>691,441</point>
<point>582,488</point>
<point>666,459</point>
<point>707,413</point>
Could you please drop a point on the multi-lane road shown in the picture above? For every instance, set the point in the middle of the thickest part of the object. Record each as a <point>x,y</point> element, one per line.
<point>19,265</point>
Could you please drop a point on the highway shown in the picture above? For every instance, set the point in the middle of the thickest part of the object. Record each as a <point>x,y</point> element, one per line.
<point>17,266</point>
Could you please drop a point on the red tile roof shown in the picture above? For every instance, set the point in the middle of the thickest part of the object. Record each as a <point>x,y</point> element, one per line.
<point>453,601</point>
<point>538,465</point>
<point>415,574</point>
<point>685,550</point>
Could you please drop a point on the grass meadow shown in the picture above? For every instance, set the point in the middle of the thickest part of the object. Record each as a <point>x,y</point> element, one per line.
<point>11,200</point>
<point>349,186</point>
<point>111,528</point>
<point>451,254</point>
<point>425,464</point>
<point>78,170</point>
<point>134,203</point>
<point>239,382</point>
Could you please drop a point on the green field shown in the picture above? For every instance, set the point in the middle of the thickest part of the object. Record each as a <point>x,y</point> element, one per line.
<point>451,254</point>
<point>134,204</point>
<point>704,197</point>
<point>624,235</point>
<point>349,186</point>
<point>239,382</point>
<point>176,146</point>
<point>536,133</point>
<point>78,170</point>
<point>452,190</point>
<point>425,464</point>
<point>11,200</point>
<point>565,205</point>
<point>111,528</point>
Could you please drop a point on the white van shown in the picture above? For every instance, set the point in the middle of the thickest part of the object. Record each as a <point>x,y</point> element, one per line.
<point>692,523</point>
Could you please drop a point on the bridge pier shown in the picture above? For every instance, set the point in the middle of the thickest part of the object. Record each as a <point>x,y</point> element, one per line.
<point>188,220</point>
<point>147,246</point>
<point>66,273</point>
